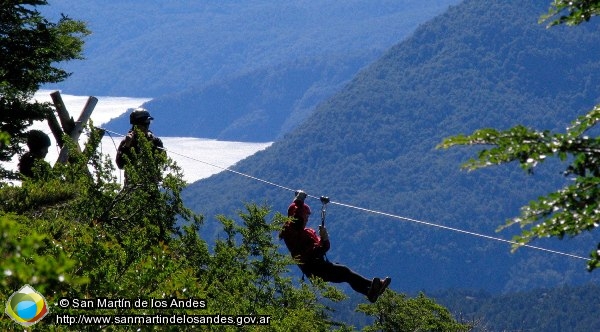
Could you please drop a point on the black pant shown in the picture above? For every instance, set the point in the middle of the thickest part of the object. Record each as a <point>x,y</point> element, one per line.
<point>337,273</point>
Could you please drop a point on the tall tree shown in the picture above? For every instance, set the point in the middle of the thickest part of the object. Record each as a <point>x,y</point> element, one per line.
<point>570,210</point>
<point>30,46</point>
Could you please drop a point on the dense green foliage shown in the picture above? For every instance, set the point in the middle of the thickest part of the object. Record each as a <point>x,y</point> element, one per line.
<point>481,64</point>
<point>30,47</point>
<point>420,313</point>
<point>102,241</point>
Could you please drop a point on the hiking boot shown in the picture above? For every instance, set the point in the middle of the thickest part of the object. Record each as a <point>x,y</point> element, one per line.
<point>384,284</point>
<point>374,290</point>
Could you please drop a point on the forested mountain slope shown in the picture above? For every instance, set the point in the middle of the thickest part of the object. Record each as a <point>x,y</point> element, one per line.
<point>373,144</point>
<point>564,309</point>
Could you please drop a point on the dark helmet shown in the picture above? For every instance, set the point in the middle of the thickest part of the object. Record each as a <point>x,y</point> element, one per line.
<point>37,139</point>
<point>299,195</point>
<point>140,116</point>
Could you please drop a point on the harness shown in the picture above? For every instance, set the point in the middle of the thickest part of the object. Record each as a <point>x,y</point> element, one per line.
<point>324,201</point>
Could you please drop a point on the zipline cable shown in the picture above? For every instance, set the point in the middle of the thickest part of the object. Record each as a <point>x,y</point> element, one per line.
<point>114,144</point>
<point>213,165</point>
<point>375,211</point>
<point>457,230</point>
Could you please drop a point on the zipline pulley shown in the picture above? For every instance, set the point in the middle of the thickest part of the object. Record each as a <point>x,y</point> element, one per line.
<point>324,200</point>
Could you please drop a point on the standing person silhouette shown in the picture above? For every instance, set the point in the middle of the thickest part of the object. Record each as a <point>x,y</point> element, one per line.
<point>140,123</point>
<point>143,167</point>
<point>32,163</point>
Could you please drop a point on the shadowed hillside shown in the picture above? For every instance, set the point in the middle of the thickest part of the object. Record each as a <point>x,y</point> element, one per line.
<point>259,106</point>
<point>373,145</point>
<point>564,308</point>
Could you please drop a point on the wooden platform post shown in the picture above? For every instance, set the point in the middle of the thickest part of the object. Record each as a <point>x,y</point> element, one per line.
<point>69,127</point>
<point>56,130</point>
<point>63,115</point>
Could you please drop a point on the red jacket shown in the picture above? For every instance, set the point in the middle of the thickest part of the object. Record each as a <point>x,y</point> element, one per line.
<point>303,243</point>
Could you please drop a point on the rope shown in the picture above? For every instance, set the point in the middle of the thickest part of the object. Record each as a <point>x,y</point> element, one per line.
<point>115,145</point>
<point>379,212</point>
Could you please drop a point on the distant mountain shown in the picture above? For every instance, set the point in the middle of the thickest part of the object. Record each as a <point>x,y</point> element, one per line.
<point>152,48</point>
<point>259,106</point>
<point>372,145</point>
<point>235,70</point>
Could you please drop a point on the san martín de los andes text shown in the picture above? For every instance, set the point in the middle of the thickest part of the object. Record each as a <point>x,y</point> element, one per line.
<point>107,303</point>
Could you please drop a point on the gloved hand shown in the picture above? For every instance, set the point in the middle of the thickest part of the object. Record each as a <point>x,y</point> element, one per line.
<point>323,233</point>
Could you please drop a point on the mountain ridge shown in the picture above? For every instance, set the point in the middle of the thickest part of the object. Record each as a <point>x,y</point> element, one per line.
<point>243,71</point>
<point>258,106</point>
<point>169,47</point>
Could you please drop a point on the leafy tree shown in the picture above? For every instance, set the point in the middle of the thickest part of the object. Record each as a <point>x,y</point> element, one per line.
<point>30,45</point>
<point>111,235</point>
<point>577,11</point>
<point>396,312</point>
<point>573,209</point>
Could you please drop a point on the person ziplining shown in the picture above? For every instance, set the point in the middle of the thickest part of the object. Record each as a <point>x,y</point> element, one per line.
<point>309,249</point>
